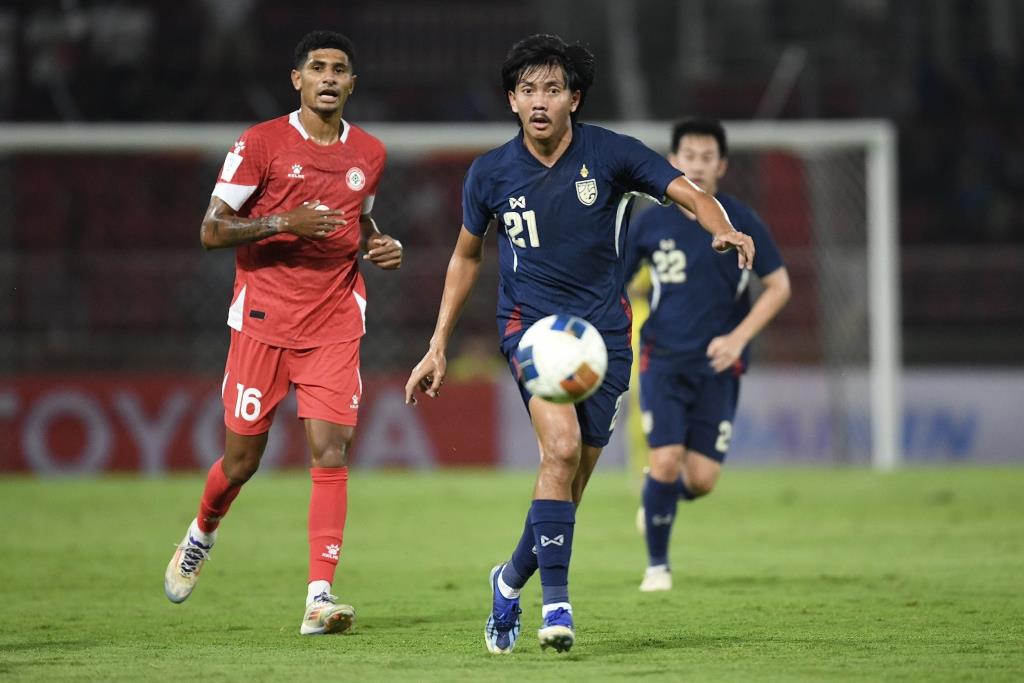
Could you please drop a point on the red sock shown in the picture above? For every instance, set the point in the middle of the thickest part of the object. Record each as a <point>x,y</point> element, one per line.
<point>328,505</point>
<point>217,497</point>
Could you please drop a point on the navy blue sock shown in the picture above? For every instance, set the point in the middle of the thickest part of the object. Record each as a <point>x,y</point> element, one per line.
<point>660,500</point>
<point>523,564</point>
<point>553,522</point>
<point>682,490</point>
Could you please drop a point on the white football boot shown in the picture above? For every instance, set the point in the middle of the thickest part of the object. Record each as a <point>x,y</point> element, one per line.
<point>324,615</point>
<point>658,578</point>
<point>186,563</point>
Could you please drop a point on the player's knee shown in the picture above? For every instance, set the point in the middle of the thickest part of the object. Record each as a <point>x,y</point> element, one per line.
<point>665,464</point>
<point>240,466</point>
<point>563,449</point>
<point>701,482</point>
<point>332,455</point>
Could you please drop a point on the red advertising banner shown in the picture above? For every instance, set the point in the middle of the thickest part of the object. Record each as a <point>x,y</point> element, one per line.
<point>158,423</point>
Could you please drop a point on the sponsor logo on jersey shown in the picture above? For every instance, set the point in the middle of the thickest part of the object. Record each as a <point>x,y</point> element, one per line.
<point>355,179</point>
<point>517,202</point>
<point>355,402</point>
<point>586,191</point>
<point>667,245</point>
<point>331,551</point>
<point>296,172</point>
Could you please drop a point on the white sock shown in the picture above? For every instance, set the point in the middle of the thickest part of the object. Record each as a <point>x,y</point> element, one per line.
<point>506,590</point>
<point>553,606</point>
<point>315,588</point>
<point>655,568</point>
<point>198,534</point>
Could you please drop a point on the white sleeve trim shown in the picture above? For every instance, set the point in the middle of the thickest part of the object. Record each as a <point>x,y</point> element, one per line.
<point>233,195</point>
<point>367,204</point>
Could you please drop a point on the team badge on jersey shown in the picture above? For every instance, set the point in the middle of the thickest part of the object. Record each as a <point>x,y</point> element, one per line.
<point>586,191</point>
<point>355,178</point>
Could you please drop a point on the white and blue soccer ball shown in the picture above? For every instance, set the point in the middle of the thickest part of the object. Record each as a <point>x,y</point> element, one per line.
<point>562,358</point>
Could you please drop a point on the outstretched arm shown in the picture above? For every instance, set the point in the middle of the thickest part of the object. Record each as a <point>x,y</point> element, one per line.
<point>463,269</point>
<point>223,227</point>
<point>724,351</point>
<point>712,217</point>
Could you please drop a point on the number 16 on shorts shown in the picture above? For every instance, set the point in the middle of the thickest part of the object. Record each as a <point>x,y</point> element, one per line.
<point>247,409</point>
<point>247,403</point>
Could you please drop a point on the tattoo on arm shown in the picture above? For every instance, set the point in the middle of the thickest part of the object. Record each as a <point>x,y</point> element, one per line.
<point>222,228</point>
<point>232,230</point>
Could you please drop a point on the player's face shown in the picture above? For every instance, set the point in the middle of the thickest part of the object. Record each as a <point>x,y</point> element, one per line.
<point>325,81</point>
<point>699,158</point>
<point>543,102</point>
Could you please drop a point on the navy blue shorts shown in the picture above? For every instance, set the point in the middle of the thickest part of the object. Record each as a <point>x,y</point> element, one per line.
<point>597,414</point>
<point>690,406</point>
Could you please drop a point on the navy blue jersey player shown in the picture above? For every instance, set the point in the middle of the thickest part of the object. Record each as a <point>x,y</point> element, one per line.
<point>694,345</point>
<point>554,193</point>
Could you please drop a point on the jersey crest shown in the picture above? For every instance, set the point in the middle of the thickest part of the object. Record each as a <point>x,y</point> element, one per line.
<point>355,179</point>
<point>586,191</point>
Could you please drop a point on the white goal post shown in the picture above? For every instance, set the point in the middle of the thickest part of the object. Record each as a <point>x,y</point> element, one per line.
<point>871,143</point>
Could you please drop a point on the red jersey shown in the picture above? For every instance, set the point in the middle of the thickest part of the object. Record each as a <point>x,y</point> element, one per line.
<point>290,291</point>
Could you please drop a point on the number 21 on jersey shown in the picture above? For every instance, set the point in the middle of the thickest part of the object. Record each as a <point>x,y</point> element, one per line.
<point>514,227</point>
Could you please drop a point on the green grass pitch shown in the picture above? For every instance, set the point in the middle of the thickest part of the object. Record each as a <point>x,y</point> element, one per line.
<point>815,575</point>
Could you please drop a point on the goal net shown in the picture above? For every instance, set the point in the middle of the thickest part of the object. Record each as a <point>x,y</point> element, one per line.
<point>102,268</point>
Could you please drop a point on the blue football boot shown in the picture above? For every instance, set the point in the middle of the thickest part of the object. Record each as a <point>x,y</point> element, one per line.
<point>503,626</point>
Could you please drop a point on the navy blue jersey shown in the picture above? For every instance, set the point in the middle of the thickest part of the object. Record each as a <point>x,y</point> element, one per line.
<point>697,294</point>
<point>562,229</point>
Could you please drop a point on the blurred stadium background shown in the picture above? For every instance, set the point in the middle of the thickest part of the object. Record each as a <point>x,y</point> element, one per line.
<point>113,317</point>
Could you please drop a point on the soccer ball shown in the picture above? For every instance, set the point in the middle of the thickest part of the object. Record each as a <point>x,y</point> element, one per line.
<point>562,359</point>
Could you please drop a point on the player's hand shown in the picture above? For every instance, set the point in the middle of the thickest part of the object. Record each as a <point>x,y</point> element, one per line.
<point>734,239</point>
<point>724,351</point>
<point>384,251</point>
<point>428,376</point>
<point>312,220</point>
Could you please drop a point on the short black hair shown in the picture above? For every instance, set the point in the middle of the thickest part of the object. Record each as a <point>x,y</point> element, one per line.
<point>319,40</point>
<point>545,50</point>
<point>700,126</point>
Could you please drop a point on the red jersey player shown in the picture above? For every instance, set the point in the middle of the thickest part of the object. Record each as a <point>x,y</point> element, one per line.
<point>294,197</point>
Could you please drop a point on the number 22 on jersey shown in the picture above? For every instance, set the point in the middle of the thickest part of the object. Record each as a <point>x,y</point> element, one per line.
<point>670,263</point>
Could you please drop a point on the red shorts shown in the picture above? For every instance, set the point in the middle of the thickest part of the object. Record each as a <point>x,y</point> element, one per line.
<point>257,377</point>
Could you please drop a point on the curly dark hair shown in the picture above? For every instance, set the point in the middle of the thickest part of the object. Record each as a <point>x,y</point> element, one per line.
<point>318,40</point>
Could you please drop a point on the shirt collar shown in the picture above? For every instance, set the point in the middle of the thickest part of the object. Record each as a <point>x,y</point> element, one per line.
<point>293,120</point>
